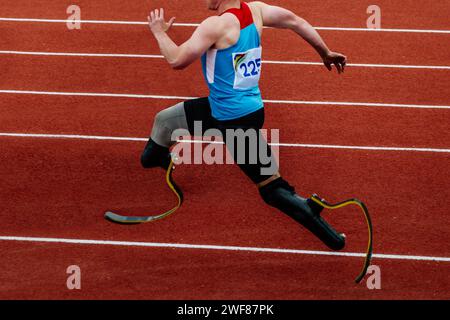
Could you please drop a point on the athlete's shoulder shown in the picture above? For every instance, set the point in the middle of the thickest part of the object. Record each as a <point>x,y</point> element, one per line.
<point>212,27</point>
<point>218,21</point>
<point>215,23</point>
<point>211,20</point>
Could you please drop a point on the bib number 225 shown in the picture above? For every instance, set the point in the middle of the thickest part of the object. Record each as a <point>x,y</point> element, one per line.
<point>247,66</point>
<point>251,68</point>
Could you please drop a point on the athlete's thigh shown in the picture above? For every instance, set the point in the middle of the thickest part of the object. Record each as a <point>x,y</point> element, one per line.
<point>198,116</point>
<point>248,146</point>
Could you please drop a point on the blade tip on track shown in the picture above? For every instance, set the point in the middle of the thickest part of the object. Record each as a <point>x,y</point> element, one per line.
<point>113,217</point>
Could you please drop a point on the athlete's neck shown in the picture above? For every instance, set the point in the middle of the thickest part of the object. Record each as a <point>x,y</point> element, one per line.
<point>225,5</point>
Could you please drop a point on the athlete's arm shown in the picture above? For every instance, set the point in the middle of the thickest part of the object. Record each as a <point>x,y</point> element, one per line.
<point>281,18</point>
<point>179,57</point>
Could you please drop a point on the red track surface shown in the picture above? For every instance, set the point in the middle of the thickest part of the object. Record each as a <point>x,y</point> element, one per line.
<point>59,188</point>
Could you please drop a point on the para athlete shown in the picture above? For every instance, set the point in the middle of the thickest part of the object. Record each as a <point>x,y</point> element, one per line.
<point>229,46</point>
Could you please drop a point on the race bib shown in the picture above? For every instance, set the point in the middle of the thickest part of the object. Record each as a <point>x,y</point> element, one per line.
<point>247,68</point>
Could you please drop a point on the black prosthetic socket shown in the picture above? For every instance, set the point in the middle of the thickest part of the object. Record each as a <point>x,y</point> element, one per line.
<point>155,155</point>
<point>281,195</point>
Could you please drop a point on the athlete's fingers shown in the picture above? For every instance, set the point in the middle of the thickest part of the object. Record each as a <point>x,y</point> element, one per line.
<point>156,14</point>
<point>152,16</point>
<point>328,65</point>
<point>161,14</point>
<point>171,21</point>
<point>341,63</point>
<point>338,67</point>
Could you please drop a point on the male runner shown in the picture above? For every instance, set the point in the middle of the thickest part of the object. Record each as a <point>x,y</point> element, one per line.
<point>230,50</point>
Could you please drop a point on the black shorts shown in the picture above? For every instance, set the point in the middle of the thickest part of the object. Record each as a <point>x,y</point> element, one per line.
<point>263,165</point>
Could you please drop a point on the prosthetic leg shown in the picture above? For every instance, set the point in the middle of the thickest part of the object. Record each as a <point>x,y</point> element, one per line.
<point>281,195</point>
<point>155,155</point>
<point>122,219</point>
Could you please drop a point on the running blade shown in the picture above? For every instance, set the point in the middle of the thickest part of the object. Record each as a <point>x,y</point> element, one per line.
<point>117,218</point>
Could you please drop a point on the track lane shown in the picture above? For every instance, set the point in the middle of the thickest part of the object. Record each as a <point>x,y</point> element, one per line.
<point>297,124</point>
<point>365,47</point>
<point>81,74</point>
<point>197,274</point>
<point>84,178</point>
<point>408,14</point>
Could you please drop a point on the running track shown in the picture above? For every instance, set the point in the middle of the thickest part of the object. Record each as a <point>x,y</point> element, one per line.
<point>58,177</point>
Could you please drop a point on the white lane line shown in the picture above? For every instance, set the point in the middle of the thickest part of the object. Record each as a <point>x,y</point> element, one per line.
<point>219,247</point>
<point>93,94</point>
<point>80,54</point>
<point>361,65</point>
<point>294,102</point>
<point>385,30</point>
<point>154,56</point>
<point>291,145</point>
<point>196,25</point>
<point>327,146</point>
<point>88,21</point>
<point>357,104</point>
<point>68,136</point>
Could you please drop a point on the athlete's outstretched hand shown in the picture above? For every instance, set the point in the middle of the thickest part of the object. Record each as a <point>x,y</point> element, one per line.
<point>339,60</point>
<point>157,23</point>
